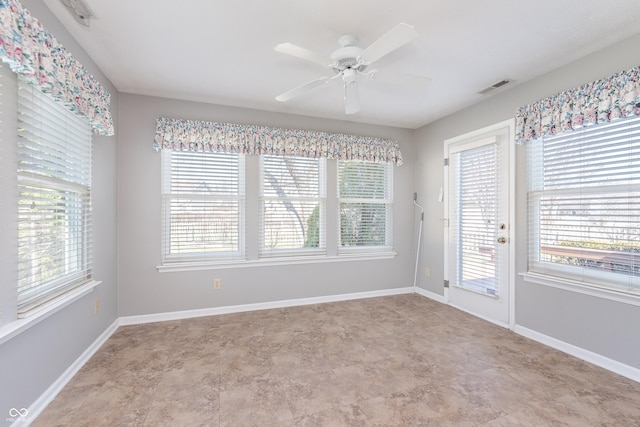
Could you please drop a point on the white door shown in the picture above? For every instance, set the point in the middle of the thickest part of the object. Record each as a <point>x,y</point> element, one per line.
<point>478,259</point>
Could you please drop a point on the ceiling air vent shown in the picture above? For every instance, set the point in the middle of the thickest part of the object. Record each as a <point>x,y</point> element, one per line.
<point>80,10</point>
<point>494,86</point>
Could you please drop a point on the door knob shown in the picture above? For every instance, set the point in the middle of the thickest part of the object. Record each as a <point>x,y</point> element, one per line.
<point>502,240</point>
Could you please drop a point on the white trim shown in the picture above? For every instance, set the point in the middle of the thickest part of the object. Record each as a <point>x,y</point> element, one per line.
<point>18,326</point>
<point>47,397</point>
<point>430,295</point>
<point>457,143</point>
<point>479,132</point>
<point>579,352</point>
<point>480,316</point>
<point>188,314</point>
<point>512,222</point>
<point>581,288</point>
<point>273,261</point>
<point>474,291</point>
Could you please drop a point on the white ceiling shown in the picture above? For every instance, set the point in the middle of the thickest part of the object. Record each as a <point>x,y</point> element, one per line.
<point>221,51</point>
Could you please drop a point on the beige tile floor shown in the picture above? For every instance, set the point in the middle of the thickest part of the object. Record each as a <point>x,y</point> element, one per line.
<point>391,361</point>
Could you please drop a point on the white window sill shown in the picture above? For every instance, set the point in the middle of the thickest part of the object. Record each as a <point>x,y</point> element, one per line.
<point>18,326</point>
<point>579,287</point>
<point>275,261</point>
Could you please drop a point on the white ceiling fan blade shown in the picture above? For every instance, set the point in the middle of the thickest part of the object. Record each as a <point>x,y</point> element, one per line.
<point>395,38</point>
<point>408,81</point>
<point>351,98</point>
<point>290,94</point>
<point>302,53</point>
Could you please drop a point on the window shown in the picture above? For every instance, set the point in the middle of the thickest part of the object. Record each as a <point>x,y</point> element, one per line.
<point>203,205</point>
<point>293,204</point>
<point>584,204</point>
<point>54,199</point>
<point>365,199</point>
<point>222,210</point>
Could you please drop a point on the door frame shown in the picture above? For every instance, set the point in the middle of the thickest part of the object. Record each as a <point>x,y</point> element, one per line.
<point>510,125</point>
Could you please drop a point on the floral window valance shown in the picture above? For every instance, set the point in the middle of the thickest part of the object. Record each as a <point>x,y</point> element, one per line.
<point>596,102</point>
<point>192,135</point>
<point>34,53</point>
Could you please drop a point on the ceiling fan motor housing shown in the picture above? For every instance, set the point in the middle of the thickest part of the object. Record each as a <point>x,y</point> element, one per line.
<point>347,56</point>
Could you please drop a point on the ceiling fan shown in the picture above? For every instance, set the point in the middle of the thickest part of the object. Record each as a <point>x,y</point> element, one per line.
<point>350,62</point>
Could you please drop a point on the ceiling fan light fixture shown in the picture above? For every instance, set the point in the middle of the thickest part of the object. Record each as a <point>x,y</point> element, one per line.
<point>80,10</point>
<point>349,76</point>
<point>351,98</point>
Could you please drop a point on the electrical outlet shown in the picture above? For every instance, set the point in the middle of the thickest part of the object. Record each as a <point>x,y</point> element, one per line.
<point>96,306</point>
<point>427,272</point>
<point>217,283</point>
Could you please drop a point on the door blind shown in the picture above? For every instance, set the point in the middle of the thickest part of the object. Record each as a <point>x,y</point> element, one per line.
<point>54,199</point>
<point>474,218</point>
<point>584,205</point>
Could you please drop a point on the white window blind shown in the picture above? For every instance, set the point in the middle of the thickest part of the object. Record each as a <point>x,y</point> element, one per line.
<point>584,205</point>
<point>474,218</point>
<point>293,194</point>
<point>203,205</point>
<point>54,199</point>
<point>365,197</point>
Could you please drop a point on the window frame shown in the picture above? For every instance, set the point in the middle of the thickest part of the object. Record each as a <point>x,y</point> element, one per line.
<point>251,241</point>
<point>47,129</point>
<point>167,196</point>
<point>592,281</point>
<point>387,202</point>
<point>320,198</point>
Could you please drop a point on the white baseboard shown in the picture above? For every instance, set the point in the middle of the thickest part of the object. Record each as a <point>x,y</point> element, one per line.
<point>187,314</point>
<point>586,355</point>
<point>41,403</point>
<point>431,295</point>
<point>480,316</point>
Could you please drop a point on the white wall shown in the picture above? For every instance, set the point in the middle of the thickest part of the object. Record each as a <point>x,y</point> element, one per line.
<point>33,360</point>
<point>144,290</point>
<point>601,326</point>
